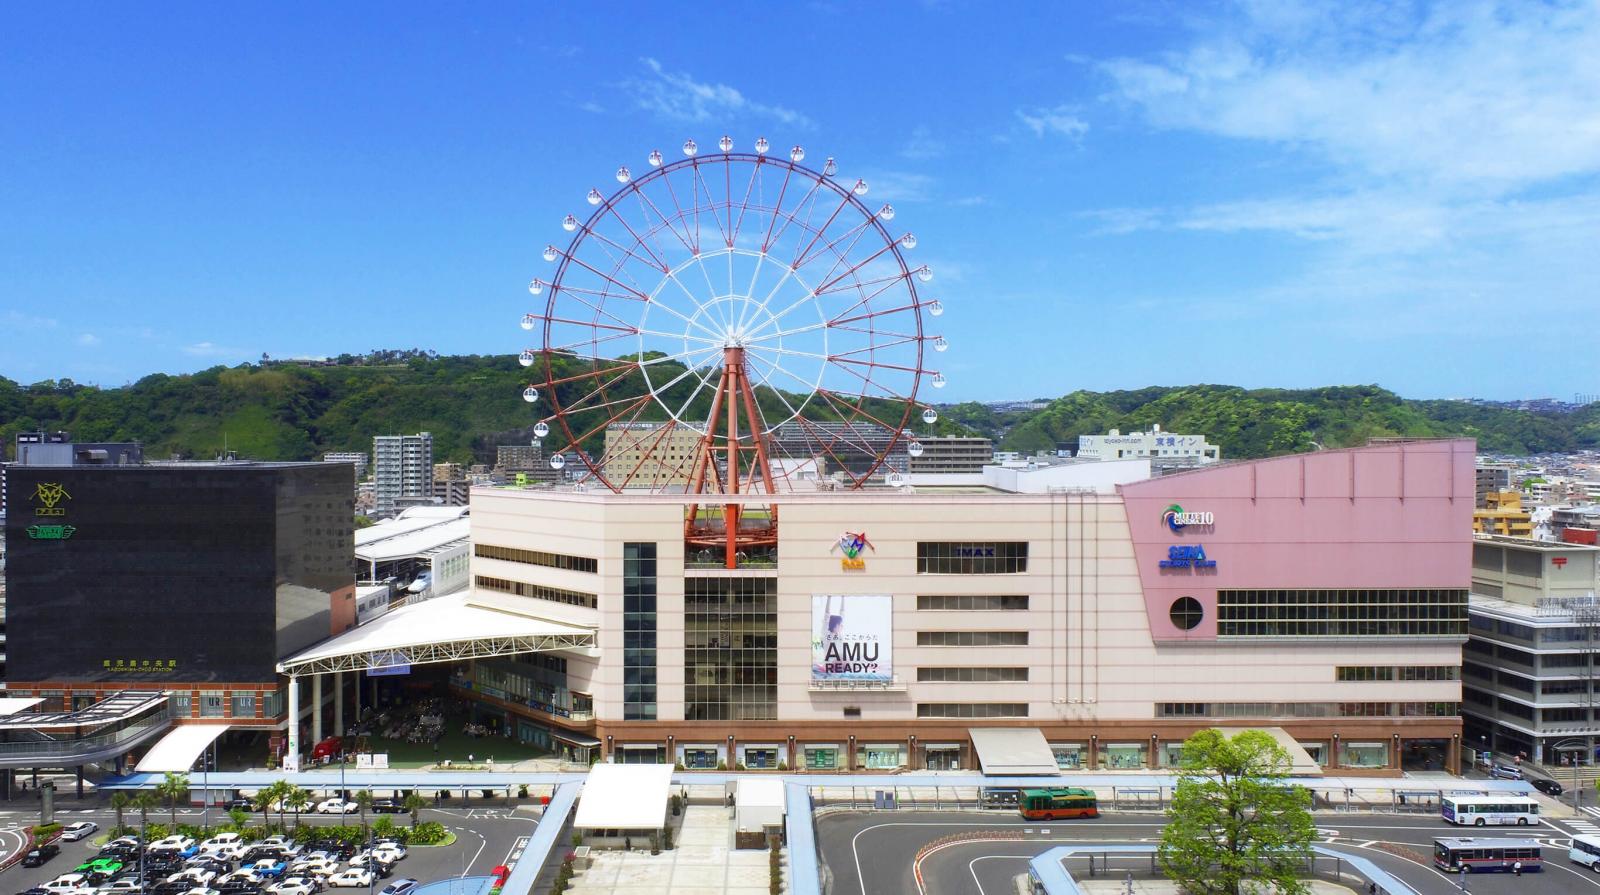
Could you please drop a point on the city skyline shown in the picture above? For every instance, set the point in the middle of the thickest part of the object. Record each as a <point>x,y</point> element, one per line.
<point>1388,191</point>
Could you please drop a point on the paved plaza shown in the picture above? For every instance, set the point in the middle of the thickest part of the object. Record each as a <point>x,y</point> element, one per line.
<point>703,861</point>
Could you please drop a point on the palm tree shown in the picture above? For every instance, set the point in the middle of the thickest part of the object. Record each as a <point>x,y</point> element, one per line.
<point>282,790</point>
<point>172,788</point>
<point>264,803</point>
<point>144,800</point>
<point>363,801</point>
<point>273,795</point>
<point>414,804</point>
<point>297,799</point>
<point>120,801</point>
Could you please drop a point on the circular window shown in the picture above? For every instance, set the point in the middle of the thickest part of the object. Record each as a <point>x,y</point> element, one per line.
<point>1186,613</point>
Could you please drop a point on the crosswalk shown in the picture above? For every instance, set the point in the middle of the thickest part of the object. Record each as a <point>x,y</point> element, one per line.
<point>1583,826</point>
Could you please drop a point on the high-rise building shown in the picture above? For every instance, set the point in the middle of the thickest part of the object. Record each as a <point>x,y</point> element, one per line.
<point>649,455</point>
<point>1492,477</point>
<point>356,457</point>
<point>402,467</point>
<point>951,454</point>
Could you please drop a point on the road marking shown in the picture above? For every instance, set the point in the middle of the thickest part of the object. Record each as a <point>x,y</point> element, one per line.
<point>972,866</point>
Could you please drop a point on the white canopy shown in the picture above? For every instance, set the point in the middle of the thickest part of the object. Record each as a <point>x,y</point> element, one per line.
<point>1012,751</point>
<point>10,705</point>
<point>444,629</point>
<point>408,542</point>
<point>177,751</point>
<point>624,797</point>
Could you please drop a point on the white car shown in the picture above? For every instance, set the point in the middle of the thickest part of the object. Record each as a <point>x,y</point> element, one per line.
<point>298,885</point>
<point>222,841</point>
<point>240,876</point>
<point>66,882</point>
<point>172,843</point>
<point>224,852</point>
<point>354,878</point>
<point>199,876</point>
<point>116,887</point>
<point>337,806</point>
<point>130,841</point>
<point>314,867</point>
<point>381,855</point>
<point>202,890</point>
<point>389,852</point>
<point>80,830</point>
<point>276,842</point>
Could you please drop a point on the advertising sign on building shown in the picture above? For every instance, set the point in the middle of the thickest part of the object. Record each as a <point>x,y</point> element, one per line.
<point>852,637</point>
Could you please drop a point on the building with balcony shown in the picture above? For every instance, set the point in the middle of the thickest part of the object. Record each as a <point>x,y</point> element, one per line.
<point>950,454</point>
<point>1492,478</point>
<point>402,467</point>
<point>1502,514</point>
<point>1529,663</point>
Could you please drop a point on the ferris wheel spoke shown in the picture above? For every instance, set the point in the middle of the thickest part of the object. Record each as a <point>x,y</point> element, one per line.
<point>692,239</point>
<point>640,296</point>
<point>844,202</point>
<point>656,302</point>
<point>807,200</point>
<point>666,335</point>
<point>777,209</point>
<point>839,322</point>
<point>634,404</point>
<point>646,202</point>
<point>656,261</point>
<point>718,307</point>
<point>789,352</point>
<point>788,274</point>
<point>704,188</point>
<point>853,234</point>
<point>652,262</point>
<point>699,387</point>
<point>866,300</point>
<point>623,368</point>
<point>888,249</point>
<point>885,346</point>
<point>750,187</point>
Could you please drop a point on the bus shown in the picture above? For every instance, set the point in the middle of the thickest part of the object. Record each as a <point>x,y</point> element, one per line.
<point>1585,850</point>
<point>1054,804</point>
<point>1486,855</point>
<point>1478,811</point>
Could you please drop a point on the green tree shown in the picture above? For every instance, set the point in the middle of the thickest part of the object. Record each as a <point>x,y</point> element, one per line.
<point>1234,822</point>
<point>363,800</point>
<point>144,800</point>
<point>120,801</point>
<point>240,818</point>
<point>414,803</point>
<point>172,788</point>
<point>297,799</point>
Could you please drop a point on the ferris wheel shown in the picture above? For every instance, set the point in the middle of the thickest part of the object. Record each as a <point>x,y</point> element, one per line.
<point>730,322</point>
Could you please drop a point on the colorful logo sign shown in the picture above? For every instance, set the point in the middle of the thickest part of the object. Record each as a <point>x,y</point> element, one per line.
<point>852,543</point>
<point>1187,556</point>
<point>49,495</point>
<point>50,532</point>
<point>1175,518</point>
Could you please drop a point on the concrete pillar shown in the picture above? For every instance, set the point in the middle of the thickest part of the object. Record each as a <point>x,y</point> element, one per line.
<point>80,781</point>
<point>291,757</point>
<point>316,708</point>
<point>338,703</point>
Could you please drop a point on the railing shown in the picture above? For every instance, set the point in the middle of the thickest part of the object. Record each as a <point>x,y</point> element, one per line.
<point>88,744</point>
<point>854,685</point>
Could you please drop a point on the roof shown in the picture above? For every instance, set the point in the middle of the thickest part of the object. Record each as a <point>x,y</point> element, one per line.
<point>1013,750</point>
<point>763,792</point>
<point>411,540</point>
<point>625,797</point>
<point>116,707</point>
<point>176,752</point>
<point>1303,764</point>
<point>444,629</point>
<point>10,705</point>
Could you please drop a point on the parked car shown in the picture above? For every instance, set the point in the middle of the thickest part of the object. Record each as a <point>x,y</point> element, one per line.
<point>40,855</point>
<point>266,867</point>
<point>80,830</point>
<point>67,884</point>
<point>354,878</point>
<point>1548,787</point>
<point>337,806</point>
<point>177,843</point>
<point>388,806</point>
<point>298,885</point>
<point>1506,772</point>
<point>194,876</point>
<point>314,866</point>
<point>400,886</point>
<point>239,804</point>
<point>123,886</point>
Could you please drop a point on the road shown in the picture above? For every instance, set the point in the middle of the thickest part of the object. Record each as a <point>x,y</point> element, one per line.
<point>879,848</point>
<point>485,837</point>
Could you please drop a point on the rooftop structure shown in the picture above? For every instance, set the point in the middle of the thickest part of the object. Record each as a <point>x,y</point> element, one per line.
<point>1162,448</point>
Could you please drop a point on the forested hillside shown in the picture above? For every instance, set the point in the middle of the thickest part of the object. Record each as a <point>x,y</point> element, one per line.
<point>470,403</point>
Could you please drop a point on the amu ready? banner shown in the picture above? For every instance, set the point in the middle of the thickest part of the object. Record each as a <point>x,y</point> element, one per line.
<point>852,637</point>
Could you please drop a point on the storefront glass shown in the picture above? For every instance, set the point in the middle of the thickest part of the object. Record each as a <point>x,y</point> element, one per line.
<point>1364,755</point>
<point>1318,752</point>
<point>822,758</point>
<point>1116,756</point>
<point>944,758</point>
<point>1069,756</point>
<point>1171,755</point>
<point>880,757</point>
<point>698,758</point>
<point>760,757</point>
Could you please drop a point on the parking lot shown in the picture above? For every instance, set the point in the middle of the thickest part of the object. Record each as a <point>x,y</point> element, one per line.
<point>485,838</point>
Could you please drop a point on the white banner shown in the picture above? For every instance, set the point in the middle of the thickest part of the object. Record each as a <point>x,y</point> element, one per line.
<point>852,637</point>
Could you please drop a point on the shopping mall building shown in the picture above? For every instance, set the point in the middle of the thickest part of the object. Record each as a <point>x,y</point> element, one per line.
<point>1323,596</point>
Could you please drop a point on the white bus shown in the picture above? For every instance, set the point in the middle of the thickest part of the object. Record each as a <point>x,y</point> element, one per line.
<point>1585,850</point>
<point>1479,811</point>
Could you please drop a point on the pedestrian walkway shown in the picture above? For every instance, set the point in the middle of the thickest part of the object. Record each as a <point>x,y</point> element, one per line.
<point>1583,825</point>
<point>702,862</point>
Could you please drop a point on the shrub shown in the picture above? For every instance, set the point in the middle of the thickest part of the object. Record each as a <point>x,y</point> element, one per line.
<point>783,765</point>
<point>738,766</point>
<point>676,801</point>
<point>775,868</point>
<point>722,765</point>
<point>577,838</point>
<point>383,827</point>
<point>429,832</point>
<point>666,838</point>
<point>522,791</point>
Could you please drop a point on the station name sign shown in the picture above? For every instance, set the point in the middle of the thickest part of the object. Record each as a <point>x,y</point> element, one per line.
<point>1187,556</point>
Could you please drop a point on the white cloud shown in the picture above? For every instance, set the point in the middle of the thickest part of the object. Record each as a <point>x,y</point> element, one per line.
<point>592,107</point>
<point>88,340</point>
<point>896,186</point>
<point>678,96</point>
<point>1061,121</point>
<point>922,145</point>
<point>209,349</point>
<point>16,320</point>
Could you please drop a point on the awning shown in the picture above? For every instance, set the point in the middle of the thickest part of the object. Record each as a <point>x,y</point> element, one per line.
<point>625,797</point>
<point>177,751</point>
<point>444,629</point>
<point>10,705</point>
<point>1303,764</point>
<point>576,739</point>
<point>1010,751</point>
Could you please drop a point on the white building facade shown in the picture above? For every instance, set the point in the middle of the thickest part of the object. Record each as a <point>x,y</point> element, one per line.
<point>402,467</point>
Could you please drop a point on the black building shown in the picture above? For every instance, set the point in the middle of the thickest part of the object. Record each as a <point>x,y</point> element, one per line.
<point>151,576</point>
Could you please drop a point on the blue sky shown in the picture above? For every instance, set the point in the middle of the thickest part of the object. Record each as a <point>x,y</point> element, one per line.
<point>1112,194</point>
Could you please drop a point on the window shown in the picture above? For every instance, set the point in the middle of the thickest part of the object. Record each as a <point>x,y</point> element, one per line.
<point>538,591</point>
<point>972,602</point>
<point>272,704</point>
<point>1183,710</point>
<point>971,675</point>
<point>638,631</point>
<point>1363,755</point>
<point>537,558</point>
<point>1068,756</point>
<point>822,758</point>
<point>972,638</point>
<point>972,710</point>
<point>244,705</point>
<point>211,705</point>
<point>881,758</point>
<point>852,711</point>
<point>1363,673</point>
<point>972,558</point>
<point>1342,613</point>
<point>1122,755</point>
<point>1186,613</point>
<point>1430,673</point>
<point>182,705</point>
<point>730,639</point>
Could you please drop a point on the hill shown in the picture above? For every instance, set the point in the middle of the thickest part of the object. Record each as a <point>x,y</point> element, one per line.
<point>470,403</point>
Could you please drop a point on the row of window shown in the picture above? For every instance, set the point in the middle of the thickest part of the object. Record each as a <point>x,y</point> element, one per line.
<point>238,704</point>
<point>1307,709</point>
<point>972,557</point>
<point>972,602</point>
<point>639,626</point>
<point>972,710</point>
<point>1397,673</point>
<point>972,638</point>
<point>1342,613</point>
<point>971,675</point>
<point>537,591</point>
<point>537,558</point>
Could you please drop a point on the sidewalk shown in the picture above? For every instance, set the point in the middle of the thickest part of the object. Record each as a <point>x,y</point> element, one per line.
<point>702,862</point>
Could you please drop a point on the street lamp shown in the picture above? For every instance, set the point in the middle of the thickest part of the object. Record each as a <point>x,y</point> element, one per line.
<point>1573,748</point>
